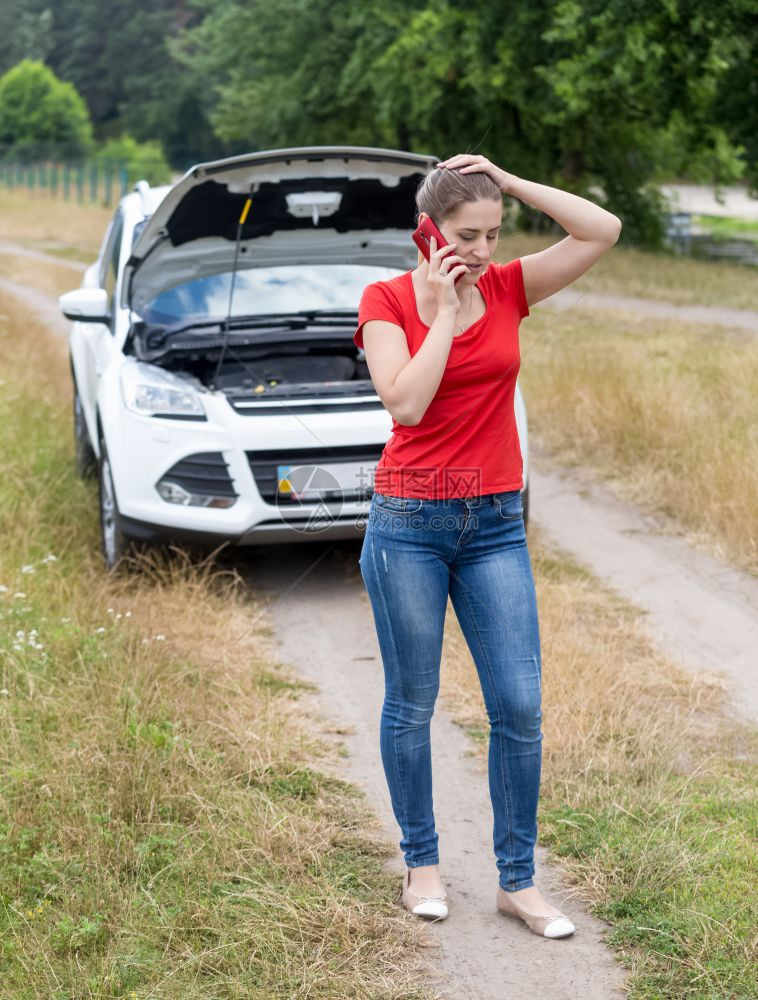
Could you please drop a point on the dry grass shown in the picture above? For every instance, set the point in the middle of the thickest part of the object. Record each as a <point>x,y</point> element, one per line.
<point>43,275</point>
<point>665,277</point>
<point>41,218</point>
<point>666,411</point>
<point>169,824</point>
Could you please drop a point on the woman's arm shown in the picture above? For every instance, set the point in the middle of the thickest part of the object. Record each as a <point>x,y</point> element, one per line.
<point>592,230</point>
<point>406,385</point>
<point>581,218</point>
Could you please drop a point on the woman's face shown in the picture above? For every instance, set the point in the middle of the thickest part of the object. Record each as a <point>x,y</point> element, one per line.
<point>474,227</point>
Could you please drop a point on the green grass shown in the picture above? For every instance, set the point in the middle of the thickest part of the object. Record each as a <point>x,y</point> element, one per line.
<point>725,226</point>
<point>681,863</point>
<point>660,819</point>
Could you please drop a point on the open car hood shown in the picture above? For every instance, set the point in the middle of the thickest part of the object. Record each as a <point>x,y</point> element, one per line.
<point>309,205</point>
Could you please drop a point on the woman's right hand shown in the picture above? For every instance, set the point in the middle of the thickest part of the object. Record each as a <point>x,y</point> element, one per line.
<point>441,276</point>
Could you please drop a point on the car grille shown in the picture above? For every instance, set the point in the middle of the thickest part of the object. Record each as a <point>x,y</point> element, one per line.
<point>255,408</point>
<point>263,465</point>
<point>204,473</point>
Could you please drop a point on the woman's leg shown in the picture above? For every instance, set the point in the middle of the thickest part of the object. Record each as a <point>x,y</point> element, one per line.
<point>407,584</point>
<point>492,591</point>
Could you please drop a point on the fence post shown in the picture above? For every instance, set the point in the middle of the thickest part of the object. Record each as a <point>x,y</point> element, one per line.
<point>108,167</point>
<point>80,182</point>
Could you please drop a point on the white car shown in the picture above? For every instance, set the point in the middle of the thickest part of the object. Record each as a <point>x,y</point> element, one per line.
<point>218,392</point>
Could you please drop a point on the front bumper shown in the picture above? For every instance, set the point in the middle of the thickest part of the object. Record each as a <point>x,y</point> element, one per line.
<point>244,453</point>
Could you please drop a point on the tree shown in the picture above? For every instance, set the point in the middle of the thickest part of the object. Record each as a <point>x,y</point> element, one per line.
<point>608,95</point>
<point>41,116</point>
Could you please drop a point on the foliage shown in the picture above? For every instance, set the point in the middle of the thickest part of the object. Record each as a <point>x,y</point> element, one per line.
<point>604,98</point>
<point>40,115</point>
<point>592,95</point>
<point>143,159</point>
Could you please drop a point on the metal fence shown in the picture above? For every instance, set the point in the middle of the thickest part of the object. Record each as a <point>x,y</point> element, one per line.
<point>103,181</point>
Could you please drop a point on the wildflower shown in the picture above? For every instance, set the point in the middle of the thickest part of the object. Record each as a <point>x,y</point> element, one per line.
<point>119,616</point>
<point>159,638</point>
<point>50,558</point>
<point>110,611</point>
<point>20,594</point>
<point>4,693</point>
<point>65,621</point>
<point>101,629</point>
<point>29,568</point>
<point>127,614</point>
<point>3,589</point>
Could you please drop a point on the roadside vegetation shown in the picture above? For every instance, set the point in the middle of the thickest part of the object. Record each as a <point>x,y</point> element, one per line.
<point>648,788</point>
<point>666,276</point>
<point>171,824</point>
<point>665,411</point>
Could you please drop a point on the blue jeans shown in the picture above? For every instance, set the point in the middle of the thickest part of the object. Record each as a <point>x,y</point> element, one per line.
<point>416,552</point>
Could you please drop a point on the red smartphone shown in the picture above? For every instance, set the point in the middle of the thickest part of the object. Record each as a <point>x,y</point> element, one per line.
<point>421,237</point>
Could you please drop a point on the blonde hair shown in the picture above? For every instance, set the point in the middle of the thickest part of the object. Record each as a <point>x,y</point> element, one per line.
<point>443,191</point>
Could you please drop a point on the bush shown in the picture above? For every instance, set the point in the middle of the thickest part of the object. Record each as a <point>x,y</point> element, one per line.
<point>41,117</point>
<point>144,160</point>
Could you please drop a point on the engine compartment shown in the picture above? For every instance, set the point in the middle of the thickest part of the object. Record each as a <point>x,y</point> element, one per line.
<point>255,368</point>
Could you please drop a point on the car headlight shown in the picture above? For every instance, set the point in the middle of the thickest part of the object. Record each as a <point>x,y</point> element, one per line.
<point>154,392</point>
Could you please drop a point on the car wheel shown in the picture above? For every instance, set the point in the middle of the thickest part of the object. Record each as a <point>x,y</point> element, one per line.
<point>525,502</point>
<point>115,544</point>
<point>85,460</point>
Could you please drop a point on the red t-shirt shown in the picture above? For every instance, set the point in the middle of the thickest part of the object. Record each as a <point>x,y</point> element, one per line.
<point>467,442</point>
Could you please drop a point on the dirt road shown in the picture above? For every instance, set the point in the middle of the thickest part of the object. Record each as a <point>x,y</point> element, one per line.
<point>700,612</point>
<point>325,632</point>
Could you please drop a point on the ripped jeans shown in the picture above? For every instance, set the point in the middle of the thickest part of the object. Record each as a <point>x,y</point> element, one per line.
<point>416,552</point>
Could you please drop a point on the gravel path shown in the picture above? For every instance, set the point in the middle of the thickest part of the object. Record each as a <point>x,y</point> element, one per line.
<point>738,319</point>
<point>699,611</point>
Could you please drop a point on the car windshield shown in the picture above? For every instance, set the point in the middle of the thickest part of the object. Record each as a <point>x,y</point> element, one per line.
<point>267,290</point>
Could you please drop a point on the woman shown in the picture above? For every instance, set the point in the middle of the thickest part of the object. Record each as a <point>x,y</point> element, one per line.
<point>446,516</point>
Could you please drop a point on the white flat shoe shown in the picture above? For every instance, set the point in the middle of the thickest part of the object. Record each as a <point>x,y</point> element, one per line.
<point>431,907</point>
<point>557,926</point>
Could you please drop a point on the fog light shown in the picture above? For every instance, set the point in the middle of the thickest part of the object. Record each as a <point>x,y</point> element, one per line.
<point>174,493</point>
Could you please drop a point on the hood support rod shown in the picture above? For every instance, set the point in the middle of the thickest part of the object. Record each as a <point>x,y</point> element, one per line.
<point>240,224</point>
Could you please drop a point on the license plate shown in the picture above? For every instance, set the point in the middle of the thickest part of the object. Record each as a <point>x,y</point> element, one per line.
<point>327,481</point>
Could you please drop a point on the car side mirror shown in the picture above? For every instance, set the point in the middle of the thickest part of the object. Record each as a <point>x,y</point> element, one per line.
<point>85,305</point>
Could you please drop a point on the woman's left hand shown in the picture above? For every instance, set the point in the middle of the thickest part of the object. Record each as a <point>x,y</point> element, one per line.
<point>468,163</point>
